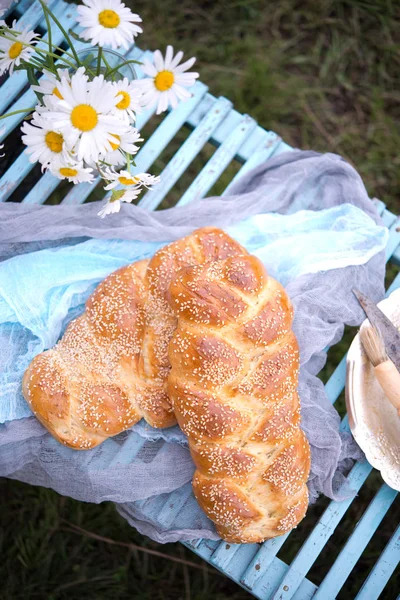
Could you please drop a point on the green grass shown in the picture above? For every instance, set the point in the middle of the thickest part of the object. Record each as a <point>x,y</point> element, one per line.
<point>324,74</point>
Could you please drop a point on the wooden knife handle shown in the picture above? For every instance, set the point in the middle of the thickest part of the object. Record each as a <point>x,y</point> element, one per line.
<point>389,379</point>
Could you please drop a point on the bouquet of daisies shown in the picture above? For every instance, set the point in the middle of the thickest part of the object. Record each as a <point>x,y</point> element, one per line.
<point>83,125</point>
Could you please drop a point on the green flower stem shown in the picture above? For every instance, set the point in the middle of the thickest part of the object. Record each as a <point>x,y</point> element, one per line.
<point>99,56</point>
<point>16,112</point>
<point>49,39</point>
<point>61,28</point>
<point>107,65</point>
<point>128,162</point>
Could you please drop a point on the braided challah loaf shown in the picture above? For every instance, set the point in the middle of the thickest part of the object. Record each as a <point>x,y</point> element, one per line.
<point>88,387</point>
<point>233,380</point>
<point>202,246</point>
<point>110,368</point>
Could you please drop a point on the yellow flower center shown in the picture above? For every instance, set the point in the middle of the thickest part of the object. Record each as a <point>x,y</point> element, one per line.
<point>67,172</point>
<point>128,180</point>
<point>84,117</point>
<point>125,102</point>
<point>164,80</point>
<point>15,50</point>
<point>57,93</point>
<point>117,145</point>
<point>109,19</point>
<point>54,141</point>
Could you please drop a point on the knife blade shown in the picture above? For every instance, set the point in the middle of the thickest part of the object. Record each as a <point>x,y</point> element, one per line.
<point>389,332</point>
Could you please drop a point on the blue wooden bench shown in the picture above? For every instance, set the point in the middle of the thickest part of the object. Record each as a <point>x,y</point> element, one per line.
<point>236,137</point>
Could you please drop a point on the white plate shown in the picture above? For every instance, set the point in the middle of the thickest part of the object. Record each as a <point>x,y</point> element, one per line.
<point>373,420</point>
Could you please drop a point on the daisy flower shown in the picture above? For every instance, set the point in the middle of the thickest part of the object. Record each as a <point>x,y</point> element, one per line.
<point>167,80</point>
<point>44,144</point>
<point>125,142</point>
<point>109,208</point>
<point>49,83</point>
<point>128,180</point>
<point>15,50</point>
<point>84,116</point>
<point>113,203</point>
<point>108,23</point>
<point>71,170</point>
<point>128,99</point>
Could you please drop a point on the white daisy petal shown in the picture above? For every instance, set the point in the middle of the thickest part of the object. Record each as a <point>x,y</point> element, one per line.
<point>109,23</point>
<point>109,208</point>
<point>13,51</point>
<point>168,57</point>
<point>85,115</point>
<point>166,81</point>
<point>74,171</point>
<point>158,60</point>
<point>128,99</point>
<point>43,143</point>
<point>148,68</point>
<point>176,60</point>
<point>185,66</point>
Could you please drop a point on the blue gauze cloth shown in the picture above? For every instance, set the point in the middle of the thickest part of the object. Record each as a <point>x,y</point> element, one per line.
<point>41,291</point>
<point>50,267</point>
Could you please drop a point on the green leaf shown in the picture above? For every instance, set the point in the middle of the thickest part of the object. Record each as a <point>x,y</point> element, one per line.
<point>116,195</point>
<point>32,79</point>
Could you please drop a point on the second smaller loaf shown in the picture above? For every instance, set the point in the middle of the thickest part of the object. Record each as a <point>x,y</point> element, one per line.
<point>89,386</point>
<point>233,384</point>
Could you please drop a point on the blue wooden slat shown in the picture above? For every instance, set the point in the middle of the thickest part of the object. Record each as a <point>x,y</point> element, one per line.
<point>394,285</point>
<point>224,129</point>
<point>394,240</point>
<point>396,257</point>
<point>388,218</point>
<point>335,384</point>
<point>219,161</point>
<point>172,507</point>
<point>356,543</point>
<point>128,451</point>
<point>206,549</point>
<point>13,85</point>
<point>280,148</point>
<point>224,553</point>
<point>379,205</point>
<point>267,584</point>
<point>262,560</point>
<point>42,189</point>
<point>13,176</point>
<point>20,8</point>
<point>320,534</point>
<point>384,568</point>
<point>187,152</point>
<point>260,154</point>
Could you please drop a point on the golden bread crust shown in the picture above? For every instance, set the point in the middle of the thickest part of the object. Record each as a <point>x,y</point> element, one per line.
<point>233,383</point>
